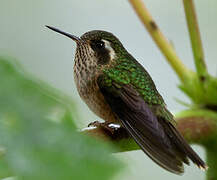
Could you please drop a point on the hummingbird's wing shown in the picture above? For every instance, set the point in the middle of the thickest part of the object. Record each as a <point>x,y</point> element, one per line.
<point>157,137</point>
<point>141,123</point>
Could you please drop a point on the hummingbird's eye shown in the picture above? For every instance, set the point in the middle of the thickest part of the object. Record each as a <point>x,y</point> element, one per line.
<point>100,44</point>
<point>101,50</point>
<point>97,45</point>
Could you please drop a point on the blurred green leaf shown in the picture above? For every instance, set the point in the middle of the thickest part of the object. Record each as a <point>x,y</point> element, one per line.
<point>38,135</point>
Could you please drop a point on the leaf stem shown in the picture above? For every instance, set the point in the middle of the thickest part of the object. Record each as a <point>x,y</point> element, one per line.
<point>166,48</point>
<point>196,42</point>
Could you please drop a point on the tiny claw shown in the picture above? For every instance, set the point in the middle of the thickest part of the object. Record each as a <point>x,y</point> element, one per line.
<point>94,124</point>
<point>108,126</point>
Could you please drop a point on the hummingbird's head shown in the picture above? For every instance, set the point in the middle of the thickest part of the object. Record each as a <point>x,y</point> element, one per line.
<point>102,45</point>
<point>96,48</point>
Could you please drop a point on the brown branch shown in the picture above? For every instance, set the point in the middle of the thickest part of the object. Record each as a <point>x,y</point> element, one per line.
<point>195,129</point>
<point>120,139</point>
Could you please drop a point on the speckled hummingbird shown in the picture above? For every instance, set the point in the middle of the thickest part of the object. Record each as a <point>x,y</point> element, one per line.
<point>119,90</point>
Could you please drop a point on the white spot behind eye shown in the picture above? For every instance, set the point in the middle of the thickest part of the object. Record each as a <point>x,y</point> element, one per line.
<point>109,48</point>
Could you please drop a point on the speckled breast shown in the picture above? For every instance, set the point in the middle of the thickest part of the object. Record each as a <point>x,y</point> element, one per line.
<point>90,93</point>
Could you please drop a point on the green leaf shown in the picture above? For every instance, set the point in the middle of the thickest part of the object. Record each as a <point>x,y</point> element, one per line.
<point>39,136</point>
<point>202,92</point>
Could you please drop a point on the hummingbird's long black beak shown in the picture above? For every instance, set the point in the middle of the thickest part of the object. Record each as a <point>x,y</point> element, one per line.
<point>74,38</point>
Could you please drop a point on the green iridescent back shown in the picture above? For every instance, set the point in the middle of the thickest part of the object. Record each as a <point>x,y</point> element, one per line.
<point>126,70</point>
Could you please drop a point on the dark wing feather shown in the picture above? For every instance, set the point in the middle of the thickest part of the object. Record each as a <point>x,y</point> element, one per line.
<point>141,123</point>
<point>182,147</point>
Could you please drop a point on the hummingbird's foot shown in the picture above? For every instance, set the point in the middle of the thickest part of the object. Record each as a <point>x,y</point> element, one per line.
<point>108,126</point>
<point>95,124</point>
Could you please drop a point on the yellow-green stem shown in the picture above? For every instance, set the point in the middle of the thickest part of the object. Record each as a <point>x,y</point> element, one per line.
<point>196,42</point>
<point>166,48</point>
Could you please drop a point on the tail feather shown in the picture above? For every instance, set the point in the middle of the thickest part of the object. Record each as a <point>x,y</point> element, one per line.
<point>182,147</point>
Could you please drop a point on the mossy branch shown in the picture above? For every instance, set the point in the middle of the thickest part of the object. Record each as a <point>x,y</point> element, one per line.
<point>197,126</point>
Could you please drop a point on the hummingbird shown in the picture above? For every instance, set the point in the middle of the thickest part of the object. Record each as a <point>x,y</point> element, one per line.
<point>117,88</point>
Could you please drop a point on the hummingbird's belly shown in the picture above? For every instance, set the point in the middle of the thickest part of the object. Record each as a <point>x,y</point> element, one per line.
<point>92,96</point>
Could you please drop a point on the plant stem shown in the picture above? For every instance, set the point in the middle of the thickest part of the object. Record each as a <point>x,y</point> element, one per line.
<point>211,150</point>
<point>196,42</point>
<point>166,48</point>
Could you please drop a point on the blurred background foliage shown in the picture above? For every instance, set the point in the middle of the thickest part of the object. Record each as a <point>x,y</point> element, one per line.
<point>38,137</point>
<point>49,57</point>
